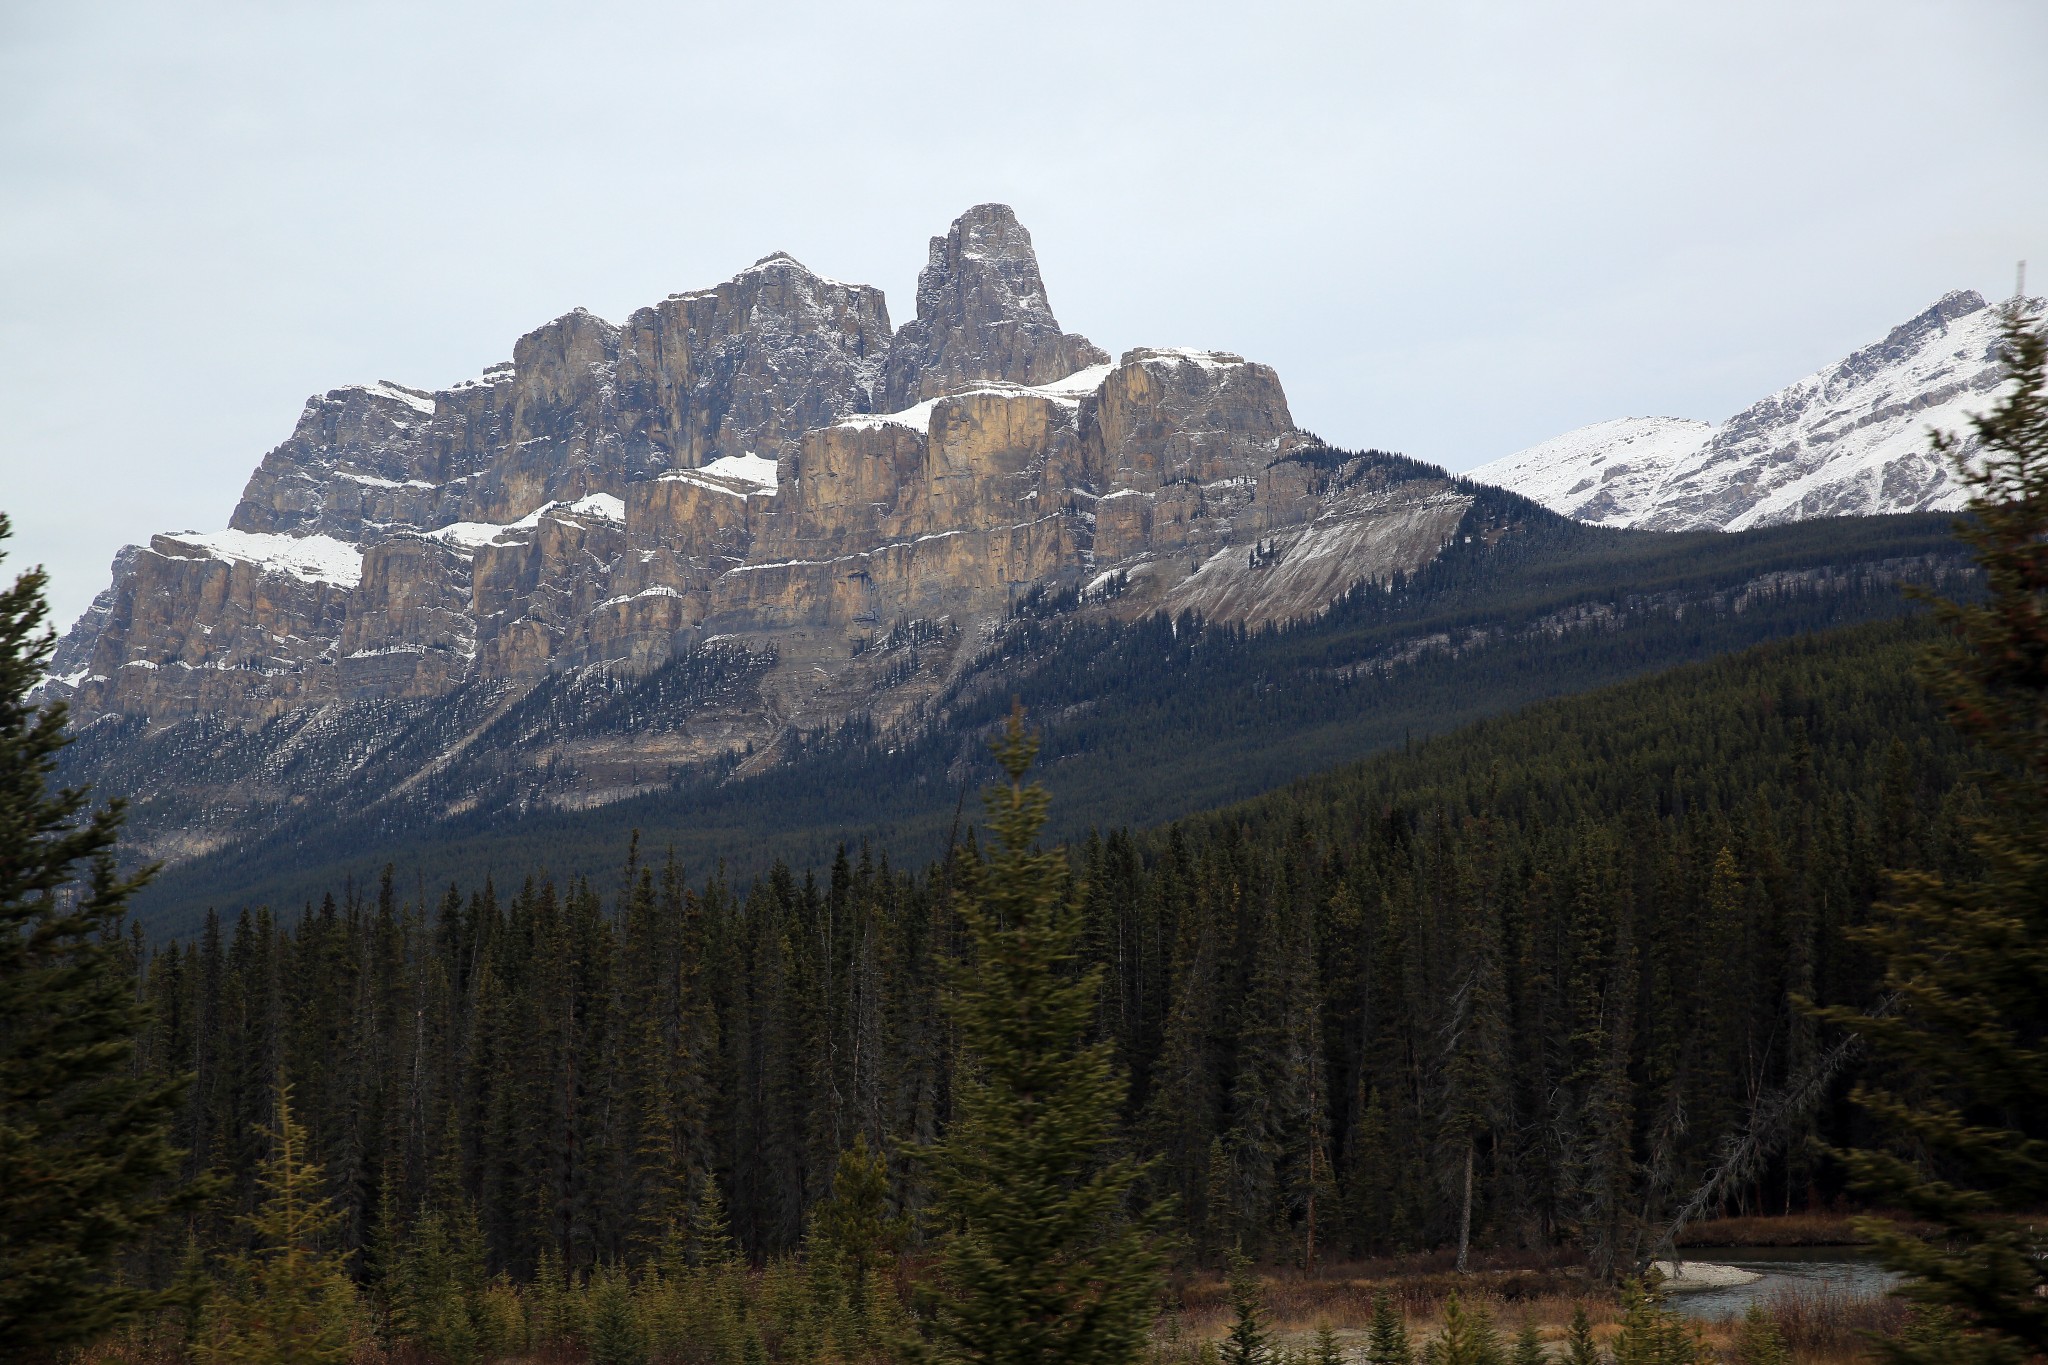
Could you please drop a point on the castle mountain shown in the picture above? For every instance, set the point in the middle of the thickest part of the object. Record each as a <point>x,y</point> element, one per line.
<point>754,571</point>
<point>764,477</point>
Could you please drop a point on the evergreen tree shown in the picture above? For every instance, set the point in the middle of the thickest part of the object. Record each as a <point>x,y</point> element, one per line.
<point>854,1229</point>
<point>437,1290</point>
<point>1468,1336</point>
<point>1528,1346</point>
<point>1651,1334</point>
<point>85,1144</point>
<point>289,1301</point>
<point>1758,1341</point>
<point>1327,1351</point>
<point>1247,1342</point>
<point>615,1334</point>
<point>1387,1338</point>
<point>1579,1346</point>
<point>1967,959</point>
<point>1042,1261</point>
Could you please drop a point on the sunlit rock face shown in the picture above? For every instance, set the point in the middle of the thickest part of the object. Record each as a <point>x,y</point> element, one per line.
<point>763,470</point>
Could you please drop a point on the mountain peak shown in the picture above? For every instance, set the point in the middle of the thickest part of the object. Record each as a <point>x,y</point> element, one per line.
<point>982,315</point>
<point>1850,439</point>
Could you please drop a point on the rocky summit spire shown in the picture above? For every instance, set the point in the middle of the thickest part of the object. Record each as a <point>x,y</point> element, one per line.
<point>981,315</point>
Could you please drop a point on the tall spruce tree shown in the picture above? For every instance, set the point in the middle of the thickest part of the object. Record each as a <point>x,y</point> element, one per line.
<point>85,1144</point>
<point>1387,1338</point>
<point>289,1300</point>
<point>1247,1342</point>
<point>1579,1346</point>
<point>1042,1260</point>
<point>1968,958</point>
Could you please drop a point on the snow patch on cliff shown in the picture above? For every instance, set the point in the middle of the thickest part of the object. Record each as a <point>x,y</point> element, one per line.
<point>398,393</point>
<point>316,559</point>
<point>1067,392</point>
<point>758,470</point>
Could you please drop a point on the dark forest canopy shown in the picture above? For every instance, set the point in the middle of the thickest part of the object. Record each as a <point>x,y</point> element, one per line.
<point>1563,942</point>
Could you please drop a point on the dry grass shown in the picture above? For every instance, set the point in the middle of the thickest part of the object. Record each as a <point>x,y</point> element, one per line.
<point>1818,1325</point>
<point>1541,1288</point>
<point>1822,1328</point>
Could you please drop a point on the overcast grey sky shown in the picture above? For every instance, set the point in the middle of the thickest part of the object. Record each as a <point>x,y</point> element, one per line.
<point>1455,228</point>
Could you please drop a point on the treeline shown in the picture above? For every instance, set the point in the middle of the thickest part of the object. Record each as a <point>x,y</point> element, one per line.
<point>1517,984</point>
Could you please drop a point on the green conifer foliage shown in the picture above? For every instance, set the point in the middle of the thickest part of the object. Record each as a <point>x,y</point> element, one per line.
<point>1248,1342</point>
<point>436,1291</point>
<point>1468,1336</point>
<point>1579,1346</point>
<point>1758,1341</point>
<point>1967,957</point>
<point>85,1145</point>
<point>1652,1334</point>
<point>1387,1339</point>
<point>1528,1346</point>
<point>1042,1262</point>
<point>614,1329</point>
<point>289,1301</point>
<point>1328,1350</point>
<point>854,1227</point>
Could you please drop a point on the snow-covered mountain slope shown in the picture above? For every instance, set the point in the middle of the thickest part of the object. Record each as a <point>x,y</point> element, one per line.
<point>1850,440</point>
<point>1605,473</point>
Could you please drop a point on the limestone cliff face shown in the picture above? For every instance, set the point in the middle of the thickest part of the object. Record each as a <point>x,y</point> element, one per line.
<point>981,315</point>
<point>749,366</point>
<point>762,469</point>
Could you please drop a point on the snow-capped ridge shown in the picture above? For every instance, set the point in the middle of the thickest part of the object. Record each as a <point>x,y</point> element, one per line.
<point>1850,439</point>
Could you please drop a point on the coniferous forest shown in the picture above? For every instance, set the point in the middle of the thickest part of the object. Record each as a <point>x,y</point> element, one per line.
<point>1564,944</point>
<point>1752,937</point>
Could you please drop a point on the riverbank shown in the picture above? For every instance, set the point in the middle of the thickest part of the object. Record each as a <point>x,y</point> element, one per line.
<point>1823,1324</point>
<point>1786,1230</point>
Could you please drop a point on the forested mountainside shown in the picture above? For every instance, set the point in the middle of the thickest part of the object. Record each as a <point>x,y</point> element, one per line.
<point>1564,941</point>
<point>1848,440</point>
<point>1143,720</point>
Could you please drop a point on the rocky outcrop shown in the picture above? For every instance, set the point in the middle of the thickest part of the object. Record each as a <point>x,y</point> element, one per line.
<point>756,472</point>
<point>982,315</point>
<point>749,366</point>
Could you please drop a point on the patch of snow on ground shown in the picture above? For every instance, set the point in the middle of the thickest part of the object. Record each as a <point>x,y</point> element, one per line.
<point>918,417</point>
<point>317,559</point>
<point>471,535</point>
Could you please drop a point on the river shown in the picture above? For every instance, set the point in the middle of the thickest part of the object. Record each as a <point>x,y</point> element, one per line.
<point>1849,1271</point>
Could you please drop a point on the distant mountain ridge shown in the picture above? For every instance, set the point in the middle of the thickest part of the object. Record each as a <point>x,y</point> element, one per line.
<point>823,520</point>
<point>758,569</point>
<point>1849,440</point>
